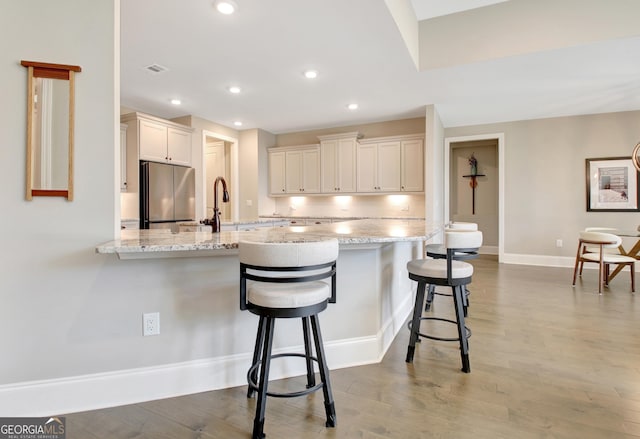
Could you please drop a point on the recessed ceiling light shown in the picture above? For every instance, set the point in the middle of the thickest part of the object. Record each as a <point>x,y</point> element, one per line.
<point>311,74</point>
<point>235,89</point>
<point>226,7</point>
<point>176,101</point>
<point>352,106</point>
<point>237,123</point>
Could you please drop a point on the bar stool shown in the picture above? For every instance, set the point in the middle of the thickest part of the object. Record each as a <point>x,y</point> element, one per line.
<point>438,251</point>
<point>449,272</point>
<point>289,281</point>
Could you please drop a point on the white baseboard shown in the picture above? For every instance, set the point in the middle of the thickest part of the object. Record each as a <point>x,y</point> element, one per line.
<point>548,261</point>
<point>540,260</point>
<point>95,391</point>
<point>489,250</point>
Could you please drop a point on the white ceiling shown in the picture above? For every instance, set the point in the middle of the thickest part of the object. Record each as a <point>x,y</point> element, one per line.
<point>426,9</point>
<point>361,57</point>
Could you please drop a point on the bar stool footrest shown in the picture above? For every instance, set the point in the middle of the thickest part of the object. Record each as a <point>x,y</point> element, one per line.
<point>253,386</point>
<point>433,337</point>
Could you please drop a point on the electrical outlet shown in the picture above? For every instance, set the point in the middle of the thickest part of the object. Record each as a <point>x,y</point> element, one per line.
<point>151,323</point>
<point>558,243</point>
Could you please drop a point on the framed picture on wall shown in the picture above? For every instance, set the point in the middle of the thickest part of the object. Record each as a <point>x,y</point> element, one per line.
<point>612,185</point>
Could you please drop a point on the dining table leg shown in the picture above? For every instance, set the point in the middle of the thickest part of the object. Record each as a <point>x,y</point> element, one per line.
<point>633,253</point>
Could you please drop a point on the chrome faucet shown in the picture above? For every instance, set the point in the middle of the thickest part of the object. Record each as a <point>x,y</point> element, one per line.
<point>215,220</point>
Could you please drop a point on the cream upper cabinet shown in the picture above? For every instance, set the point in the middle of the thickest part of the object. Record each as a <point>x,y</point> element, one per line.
<point>378,167</point>
<point>302,170</point>
<point>338,163</point>
<point>391,164</point>
<point>276,172</point>
<point>161,140</point>
<point>367,167</point>
<point>179,146</point>
<point>294,170</point>
<point>344,164</point>
<point>412,169</point>
<point>153,141</point>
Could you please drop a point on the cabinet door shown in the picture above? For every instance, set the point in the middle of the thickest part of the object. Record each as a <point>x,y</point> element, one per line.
<point>329,166</point>
<point>277,173</point>
<point>346,165</point>
<point>412,166</point>
<point>153,141</point>
<point>293,172</point>
<point>311,171</point>
<point>367,164</point>
<point>389,167</point>
<point>179,147</point>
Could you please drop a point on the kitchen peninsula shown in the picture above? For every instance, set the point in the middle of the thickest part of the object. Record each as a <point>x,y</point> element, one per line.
<point>162,243</point>
<point>374,293</point>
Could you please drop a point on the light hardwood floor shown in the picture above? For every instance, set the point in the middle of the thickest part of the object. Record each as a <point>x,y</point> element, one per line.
<point>547,361</point>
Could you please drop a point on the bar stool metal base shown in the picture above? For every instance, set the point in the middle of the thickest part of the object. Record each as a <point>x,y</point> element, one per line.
<point>431,291</point>
<point>258,373</point>
<point>438,251</point>
<point>433,337</point>
<point>458,299</point>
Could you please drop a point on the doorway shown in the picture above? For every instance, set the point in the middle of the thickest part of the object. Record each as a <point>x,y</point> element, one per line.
<point>484,203</point>
<point>219,156</point>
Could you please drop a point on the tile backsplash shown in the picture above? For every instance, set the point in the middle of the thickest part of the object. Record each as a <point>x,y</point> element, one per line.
<point>351,205</point>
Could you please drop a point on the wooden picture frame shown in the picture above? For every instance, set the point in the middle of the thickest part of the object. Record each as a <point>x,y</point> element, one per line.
<point>612,185</point>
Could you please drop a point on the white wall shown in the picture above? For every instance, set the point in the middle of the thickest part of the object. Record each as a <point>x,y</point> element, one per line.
<point>58,316</point>
<point>434,166</point>
<point>252,167</point>
<point>545,190</point>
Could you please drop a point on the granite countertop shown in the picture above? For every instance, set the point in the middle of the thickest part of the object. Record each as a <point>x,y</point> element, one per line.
<point>341,218</point>
<point>368,231</point>
<point>239,222</point>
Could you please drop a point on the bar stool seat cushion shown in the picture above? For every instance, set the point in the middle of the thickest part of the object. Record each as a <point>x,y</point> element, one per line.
<point>297,295</point>
<point>437,268</point>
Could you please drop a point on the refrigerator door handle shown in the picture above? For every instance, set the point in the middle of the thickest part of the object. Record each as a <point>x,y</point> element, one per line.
<point>144,195</point>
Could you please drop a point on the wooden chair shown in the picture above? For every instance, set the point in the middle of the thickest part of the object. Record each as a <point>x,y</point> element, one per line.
<point>595,247</point>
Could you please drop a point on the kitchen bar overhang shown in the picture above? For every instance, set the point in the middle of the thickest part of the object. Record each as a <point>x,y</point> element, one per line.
<point>375,295</point>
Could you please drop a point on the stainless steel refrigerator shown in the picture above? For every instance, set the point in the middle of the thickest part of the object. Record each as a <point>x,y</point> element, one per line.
<point>167,195</point>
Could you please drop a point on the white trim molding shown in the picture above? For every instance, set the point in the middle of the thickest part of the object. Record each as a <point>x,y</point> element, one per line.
<point>110,389</point>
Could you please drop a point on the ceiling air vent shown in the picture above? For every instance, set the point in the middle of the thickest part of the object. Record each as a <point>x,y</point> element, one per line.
<point>156,68</point>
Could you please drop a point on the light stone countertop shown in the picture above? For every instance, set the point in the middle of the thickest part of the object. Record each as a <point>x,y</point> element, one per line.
<point>337,218</point>
<point>150,243</point>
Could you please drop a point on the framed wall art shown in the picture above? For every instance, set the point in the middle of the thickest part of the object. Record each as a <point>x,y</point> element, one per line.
<point>612,185</point>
